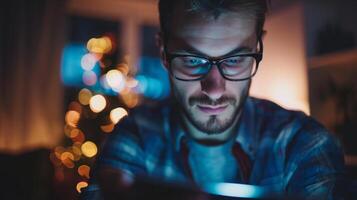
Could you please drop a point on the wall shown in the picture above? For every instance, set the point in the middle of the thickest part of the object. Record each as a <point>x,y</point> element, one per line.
<point>282,76</point>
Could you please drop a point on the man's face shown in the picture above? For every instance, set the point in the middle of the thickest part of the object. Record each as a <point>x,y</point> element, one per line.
<point>211,104</point>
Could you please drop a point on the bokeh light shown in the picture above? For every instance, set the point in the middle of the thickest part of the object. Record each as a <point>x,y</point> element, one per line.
<point>67,159</point>
<point>72,118</point>
<point>84,96</point>
<point>58,151</point>
<point>123,68</point>
<point>81,185</point>
<point>132,83</point>
<point>89,149</point>
<point>117,114</point>
<point>130,99</point>
<point>89,78</point>
<point>99,45</point>
<point>76,152</point>
<point>107,128</point>
<point>115,80</point>
<point>83,171</point>
<point>88,61</point>
<point>97,103</point>
<point>72,133</point>
<point>78,136</point>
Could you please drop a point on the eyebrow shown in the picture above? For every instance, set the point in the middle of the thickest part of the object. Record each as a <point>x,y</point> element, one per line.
<point>193,51</point>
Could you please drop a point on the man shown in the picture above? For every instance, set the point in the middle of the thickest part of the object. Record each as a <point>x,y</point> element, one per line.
<point>212,131</point>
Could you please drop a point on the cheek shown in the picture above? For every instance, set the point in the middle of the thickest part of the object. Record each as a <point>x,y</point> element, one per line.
<point>237,89</point>
<point>183,90</point>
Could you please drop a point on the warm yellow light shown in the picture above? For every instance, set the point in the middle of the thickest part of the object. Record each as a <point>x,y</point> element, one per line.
<point>79,136</point>
<point>117,114</point>
<point>99,45</point>
<point>76,150</point>
<point>67,129</point>
<point>89,149</point>
<point>81,185</point>
<point>123,68</point>
<point>67,159</point>
<point>72,133</point>
<point>97,103</point>
<point>67,155</point>
<point>84,96</point>
<point>107,128</point>
<point>72,118</point>
<point>58,151</point>
<point>77,144</point>
<point>115,80</point>
<point>76,153</point>
<point>84,170</point>
<point>131,99</point>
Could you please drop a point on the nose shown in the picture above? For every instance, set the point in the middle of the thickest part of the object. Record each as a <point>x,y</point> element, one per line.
<point>213,85</point>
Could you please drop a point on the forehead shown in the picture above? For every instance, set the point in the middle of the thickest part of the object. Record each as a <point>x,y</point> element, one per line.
<point>213,36</point>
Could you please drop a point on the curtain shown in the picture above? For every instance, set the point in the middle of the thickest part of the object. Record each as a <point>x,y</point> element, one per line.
<point>31,94</point>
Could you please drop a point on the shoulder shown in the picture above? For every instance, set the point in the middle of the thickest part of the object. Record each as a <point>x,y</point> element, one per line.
<point>271,120</point>
<point>290,131</point>
<point>136,136</point>
<point>142,123</point>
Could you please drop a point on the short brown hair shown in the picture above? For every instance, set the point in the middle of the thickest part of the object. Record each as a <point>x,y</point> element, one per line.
<point>212,7</point>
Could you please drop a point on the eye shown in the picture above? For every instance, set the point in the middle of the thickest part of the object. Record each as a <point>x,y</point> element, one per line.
<point>193,61</point>
<point>233,60</point>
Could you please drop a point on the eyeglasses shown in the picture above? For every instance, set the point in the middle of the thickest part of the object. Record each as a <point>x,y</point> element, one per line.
<point>237,67</point>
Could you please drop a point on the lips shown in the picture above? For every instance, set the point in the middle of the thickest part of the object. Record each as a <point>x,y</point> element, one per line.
<point>212,110</point>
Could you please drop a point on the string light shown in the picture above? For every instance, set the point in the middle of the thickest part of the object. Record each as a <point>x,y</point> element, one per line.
<point>107,128</point>
<point>88,61</point>
<point>84,96</point>
<point>115,80</point>
<point>89,149</point>
<point>72,118</point>
<point>81,185</point>
<point>67,159</point>
<point>117,114</point>
<point>119,80</point>
<point>79,137</point>
<point>83,171</point>
<point>99,45</point>
<point>97,103</point>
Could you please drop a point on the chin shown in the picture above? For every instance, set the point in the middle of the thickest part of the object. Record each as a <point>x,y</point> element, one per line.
<point>213,124</point>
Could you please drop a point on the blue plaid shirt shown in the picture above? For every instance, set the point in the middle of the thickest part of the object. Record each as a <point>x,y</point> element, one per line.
<point>290,152</point>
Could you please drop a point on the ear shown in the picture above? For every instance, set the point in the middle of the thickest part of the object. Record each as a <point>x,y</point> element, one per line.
<point>160,44</point>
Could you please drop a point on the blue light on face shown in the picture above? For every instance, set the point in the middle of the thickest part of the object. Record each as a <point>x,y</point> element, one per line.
<point>235,190</point>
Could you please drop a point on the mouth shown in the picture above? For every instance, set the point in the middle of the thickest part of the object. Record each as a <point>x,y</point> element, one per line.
<point>212,110</point>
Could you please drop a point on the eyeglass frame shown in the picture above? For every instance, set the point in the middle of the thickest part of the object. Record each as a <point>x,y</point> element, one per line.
<point>258,56</point>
